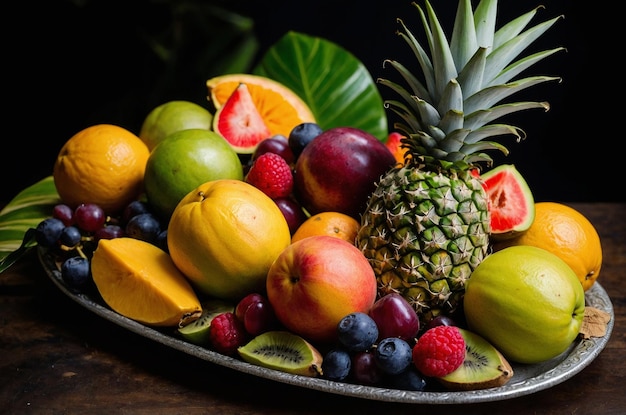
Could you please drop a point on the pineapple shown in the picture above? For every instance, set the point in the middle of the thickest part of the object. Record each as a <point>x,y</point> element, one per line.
<point>427,225</point>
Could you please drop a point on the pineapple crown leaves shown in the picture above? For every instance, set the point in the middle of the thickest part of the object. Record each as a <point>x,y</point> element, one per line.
<point>450,114</point>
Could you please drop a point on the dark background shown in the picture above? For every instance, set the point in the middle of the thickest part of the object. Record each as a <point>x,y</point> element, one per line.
<point>71,64</point>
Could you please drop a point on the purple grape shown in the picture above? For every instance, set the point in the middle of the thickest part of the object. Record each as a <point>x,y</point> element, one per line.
<point>277,144</point>
<point>109,232</point>
<point>395,317</point>
<point>292,211</point>
<point>256,314</point>
<point>64,213</point>
<point>365,370</point>
<point>89,217</point>
<point>440,320</point>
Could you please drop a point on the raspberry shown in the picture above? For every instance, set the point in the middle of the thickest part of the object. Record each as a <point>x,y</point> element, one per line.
<point>439,351</point>
<point>226,333</point>
<point>272,175</point>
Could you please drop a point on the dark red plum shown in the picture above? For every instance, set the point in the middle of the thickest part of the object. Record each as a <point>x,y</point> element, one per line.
<point>338,170</point>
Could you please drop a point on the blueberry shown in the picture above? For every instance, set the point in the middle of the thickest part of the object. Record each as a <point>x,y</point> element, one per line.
<point>134,208</point>
<point>161,241</point>
<point>70,236</point>
<point>301,135</point>
<point>393,355</point>
<point>336,364</point>
<point>409,380</point>
<point>76,273</point>
<point>357,331</point>
<point>48,232</point>
<point>144,226</point>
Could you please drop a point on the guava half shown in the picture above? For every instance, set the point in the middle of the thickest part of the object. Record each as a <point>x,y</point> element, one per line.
<point>511,203</point>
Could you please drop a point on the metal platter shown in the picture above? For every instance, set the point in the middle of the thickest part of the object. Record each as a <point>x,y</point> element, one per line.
<point>527,379</point>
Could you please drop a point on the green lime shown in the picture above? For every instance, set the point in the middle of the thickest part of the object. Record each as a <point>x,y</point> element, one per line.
<point>173,116</point>
<point>182,162</point>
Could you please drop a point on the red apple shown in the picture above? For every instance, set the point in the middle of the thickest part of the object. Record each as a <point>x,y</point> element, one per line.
<point>338,170</point>
<point>317,281</point>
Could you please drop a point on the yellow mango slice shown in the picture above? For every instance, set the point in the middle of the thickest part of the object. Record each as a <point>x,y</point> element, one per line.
<point>139,280</point>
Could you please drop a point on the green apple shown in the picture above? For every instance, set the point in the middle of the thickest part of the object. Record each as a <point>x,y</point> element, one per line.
<point>527,302</point>
<point>173,116</point>
<point>317,281</point>
<point>182,162</point>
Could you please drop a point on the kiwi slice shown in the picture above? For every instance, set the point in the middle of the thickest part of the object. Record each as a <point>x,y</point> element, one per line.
<point>284,351</point>
<point>197,332</point>
<point>484,366</point>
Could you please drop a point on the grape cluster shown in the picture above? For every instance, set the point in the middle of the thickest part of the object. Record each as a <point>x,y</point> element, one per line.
<point>73,235</point>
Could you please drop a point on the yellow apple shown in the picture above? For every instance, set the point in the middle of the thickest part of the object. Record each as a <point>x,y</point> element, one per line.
<point>317,281</point>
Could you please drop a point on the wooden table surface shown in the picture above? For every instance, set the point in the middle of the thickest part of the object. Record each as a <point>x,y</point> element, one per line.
<point>58,358</point>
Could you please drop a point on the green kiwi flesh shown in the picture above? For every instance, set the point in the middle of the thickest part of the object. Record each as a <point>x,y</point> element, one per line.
<point>484,366</point>
<point>197,332</point>
<point>284,351</point>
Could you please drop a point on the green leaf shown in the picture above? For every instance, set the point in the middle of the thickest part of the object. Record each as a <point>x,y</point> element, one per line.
<point>337,86</point>
<point>24,212</point>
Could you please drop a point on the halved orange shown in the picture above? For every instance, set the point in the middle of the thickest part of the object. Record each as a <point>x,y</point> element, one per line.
<point>280,108</point>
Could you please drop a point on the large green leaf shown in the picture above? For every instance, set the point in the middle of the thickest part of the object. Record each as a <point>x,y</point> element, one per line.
<point>336,85</point>
<point>24,212</point>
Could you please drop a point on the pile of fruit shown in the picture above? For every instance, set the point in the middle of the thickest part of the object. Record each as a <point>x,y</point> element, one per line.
<point>407,262</point>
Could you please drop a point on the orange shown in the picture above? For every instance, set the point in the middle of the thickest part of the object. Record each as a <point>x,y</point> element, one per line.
<point>280,107</point>
<point>568,234</point>
<point>102,164</point>
<point>336,224</point>
<point>140,281</point>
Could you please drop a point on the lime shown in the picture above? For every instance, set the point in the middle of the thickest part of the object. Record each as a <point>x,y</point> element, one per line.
<point>173,116</point>
<point>182,162</point>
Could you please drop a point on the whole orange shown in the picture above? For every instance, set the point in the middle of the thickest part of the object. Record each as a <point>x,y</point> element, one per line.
<point>567,233</point>
<point>336,224</point>
<point>102,164</point>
